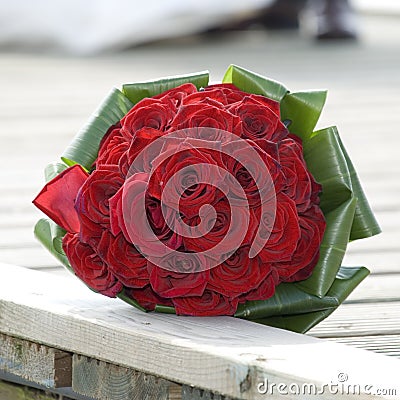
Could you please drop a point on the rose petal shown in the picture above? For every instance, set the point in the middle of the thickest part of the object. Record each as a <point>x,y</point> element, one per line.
<point>57,198</point>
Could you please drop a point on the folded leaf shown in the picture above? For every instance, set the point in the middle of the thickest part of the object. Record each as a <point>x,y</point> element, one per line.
<point>54,169</point>
<point>327,163</point>
<point>124,297</point>
<point>288,300</point>
<point>347,280</point>
<point>332,250</point>
<point>164,309</point>
<point>365,223</point>
<point>139,90</point>
<point>48,232</point>
<point>251,82</point>
<point>84,147</point>
<point>303,110</point>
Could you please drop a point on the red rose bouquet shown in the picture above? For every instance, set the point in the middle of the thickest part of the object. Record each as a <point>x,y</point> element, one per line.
<point>196,199</point>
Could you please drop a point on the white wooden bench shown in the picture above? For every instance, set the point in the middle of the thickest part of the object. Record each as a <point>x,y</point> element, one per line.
<point>57,334</point>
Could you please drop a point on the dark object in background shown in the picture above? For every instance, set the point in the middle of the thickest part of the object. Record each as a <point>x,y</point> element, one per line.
<point>335,19</point>
<point>331,19</point>
<point>282,14</point>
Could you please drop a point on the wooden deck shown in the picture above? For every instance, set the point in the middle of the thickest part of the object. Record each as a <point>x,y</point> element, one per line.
<point>44,99</point>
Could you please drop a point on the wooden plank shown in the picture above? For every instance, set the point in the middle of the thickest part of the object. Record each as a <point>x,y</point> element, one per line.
<point>385,344</point>
<point>15,235</point>
<point>385,241</point>
<point>18,220</point>
<point>382,262</point>
<point>192,393</point>
<point>390,221</point>
<point>29,257</point>
<point>103,380</point>
<point>361,319</point>
<point>37,363</point>
<point>377,288</point>
<point>224,355</point>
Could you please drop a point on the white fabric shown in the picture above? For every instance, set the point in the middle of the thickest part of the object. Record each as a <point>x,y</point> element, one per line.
<point>90,26</point>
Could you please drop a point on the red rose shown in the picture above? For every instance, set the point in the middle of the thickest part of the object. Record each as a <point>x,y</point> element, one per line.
<point>156,217</point>
<point>238,274</point>
<point>282,241</point>
<point>215,98</point>
<point>220,229</point>
<point>147,297</point>
<point>89,267</point>
<point>128,214</point>
<point>112,147</point>
<point>179,274</point>
<point>177,95</point>
<point>129,195</point>
<point>305,257</point>
<point>92,202</point>
<point>205,115</point>
<point>259,120</point>
<point>188,179</point>
<point>148,113</point>
<point>209,304</point>
<point>204,137</point>
<point>126,263</point>
<point>273,105</point>
<point>265,289</point>
<point>257,173</point>
<point>231,94</point>
<point>300,184</point>
<point>219,95</point>
<point>141,152</point>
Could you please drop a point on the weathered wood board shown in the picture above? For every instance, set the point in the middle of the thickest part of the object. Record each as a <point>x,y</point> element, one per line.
<point>103,380</point>
<point>36,363</point>
<point>223,355</point>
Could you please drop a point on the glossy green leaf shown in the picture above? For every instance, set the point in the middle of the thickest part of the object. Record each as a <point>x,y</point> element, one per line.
<point>328,165</point>
<point>165,309</point>
<point>288,299</point>
<point>332,249</point>
<point>300,323</point>
<point>139,90</point>
<point>84,147</point>
<point>50,235</point>
<point>365,223</point>
<point>303,109</point>
<point>340,167</point>
<point>348,278</point>
<point>54,169</point>
<point>251,82</point>
<point>123,296</point>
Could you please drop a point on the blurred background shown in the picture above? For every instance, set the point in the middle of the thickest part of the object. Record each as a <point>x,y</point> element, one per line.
<point>58,59</point>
